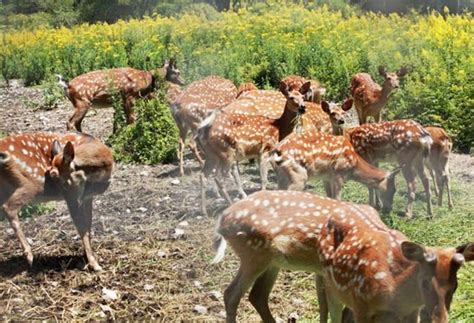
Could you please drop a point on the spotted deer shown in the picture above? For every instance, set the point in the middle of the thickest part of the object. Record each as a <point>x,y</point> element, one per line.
<point>404,141</point>
<point>312,154</point>
<point>98,88</point>
<point>437,162</point>
<point>373,270</point>
<point>369,97</point>
<point>50,166</point>
<point>316,93</point>
<point>227,138</point>
<point>194,104</point>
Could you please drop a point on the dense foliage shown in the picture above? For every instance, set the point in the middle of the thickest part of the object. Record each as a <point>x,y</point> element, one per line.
<point>264,44</point>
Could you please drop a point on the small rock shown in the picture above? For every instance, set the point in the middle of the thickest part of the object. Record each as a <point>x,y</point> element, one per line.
<point>148,287</point>
<point>144,173</point>
<point>105,308</point>
<point>197,284</point>
<point>109,294</point>
<point>222,314</point>
<point>175,182</point>
<point>183,223</point>
<point>30,241</point>
<point>215,295</point>
<point>177,233</point>
<point>199,217</point>
<point>297,301</point>
<point>128,211</point>
<point>200,309</point>
<point>166,198</point>
<point>10,231</point>
<point>55,284</point>
<point>142,209</point>
<point>161,254</point>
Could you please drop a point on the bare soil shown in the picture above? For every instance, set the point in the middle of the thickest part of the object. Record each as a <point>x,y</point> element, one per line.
<point>155,269</point>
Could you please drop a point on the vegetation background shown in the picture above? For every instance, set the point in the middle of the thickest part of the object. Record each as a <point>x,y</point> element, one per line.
<point>260,42</point>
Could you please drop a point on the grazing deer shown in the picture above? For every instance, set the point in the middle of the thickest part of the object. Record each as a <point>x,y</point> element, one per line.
<point>98,88</point>
<point>308,154</point>
<point>194,104</point>
<point>437,162</point>
<point>34,167</point>
<point>369,97</point>
<point>366,266</point>
<point>405,141</point>
<point>316,93</point>
<point>227,138</point>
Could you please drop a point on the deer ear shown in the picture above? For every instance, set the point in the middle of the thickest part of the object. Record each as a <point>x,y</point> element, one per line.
<point>325,107</point>
<point>382,71</point>
<point>56,149</point>
<point>402,72</point>
<point>284,88</point>
<point>347,105</point>
<point>416,252</point>
<point>305,88</point>
<point>467,250</point>
<point>68,153</point>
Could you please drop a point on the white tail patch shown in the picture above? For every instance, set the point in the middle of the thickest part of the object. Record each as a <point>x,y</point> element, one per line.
<point>426,140</point>
<point>209,120</point>
<point>62,82</point>
<point>221,246</point>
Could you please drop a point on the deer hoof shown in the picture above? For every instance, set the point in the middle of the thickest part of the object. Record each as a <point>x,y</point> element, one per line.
<point>29,259</point>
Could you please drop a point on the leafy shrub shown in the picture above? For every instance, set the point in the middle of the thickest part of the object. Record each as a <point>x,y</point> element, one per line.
<point>152,139</point>
<point>266,43</point>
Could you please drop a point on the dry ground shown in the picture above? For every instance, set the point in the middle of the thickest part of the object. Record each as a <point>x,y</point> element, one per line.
<point>156,271</point>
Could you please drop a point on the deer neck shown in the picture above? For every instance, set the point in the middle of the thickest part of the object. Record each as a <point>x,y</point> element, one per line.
<point>407,280</point>
<point>387,90</point>
<point>369,175</point>
<point>285,123</point>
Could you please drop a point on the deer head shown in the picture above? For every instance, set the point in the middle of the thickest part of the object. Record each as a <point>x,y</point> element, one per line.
<point>438,276</point>
<point>392,79</point>
<point>295,99</point>
<point>337,114</point>
<point>171,73</point>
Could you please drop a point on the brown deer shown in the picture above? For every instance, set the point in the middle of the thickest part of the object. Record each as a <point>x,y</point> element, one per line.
<point>313,154</point>
<point>194,104</point>
<point>227,138</point>
<point>369,97</point>
<point>437,162</point>
<point>373,270</point>
<point>405,141</point>
<point>316,93</point>
<point>35,167</point>
<point>98,88</point>
<point>245,87</point>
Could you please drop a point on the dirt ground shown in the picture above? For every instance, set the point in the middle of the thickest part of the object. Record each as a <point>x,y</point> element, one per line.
<point>149,234</point>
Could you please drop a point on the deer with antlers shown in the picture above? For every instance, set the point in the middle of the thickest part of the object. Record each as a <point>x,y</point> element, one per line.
<point>227,138</point>
<point>437,162</point>
<point>194,104</point>
<point>99,87</point>
<point>50,166</point>
<point>308,154</point>
<point>369,97</point>
<point>373,270</point>
<point>405,141</point>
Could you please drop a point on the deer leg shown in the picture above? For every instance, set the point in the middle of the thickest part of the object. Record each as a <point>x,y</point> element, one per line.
<point>81,214</point>
<point>223,190</point>
<point>328,188</point>
<point>80,110</point>
<point>181,145</point>
<point>246,276</point>
<point>236,176</point>
<point>426,185</point>
<point>195,150</point>
<point>261,291</point>
<point>263,163</point>
<point>409,174</point>
<point>448,190</point>
<point>12,216</point>
<point>322,300</point>
<point>337,187</point>
<point>128,109</point>
<point>335,306</point>
<point>436,180</point>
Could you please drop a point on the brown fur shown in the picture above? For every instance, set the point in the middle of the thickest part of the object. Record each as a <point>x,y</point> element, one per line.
<point>33,167</point>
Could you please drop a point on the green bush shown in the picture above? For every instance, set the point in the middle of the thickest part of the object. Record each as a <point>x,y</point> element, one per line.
<point>152,139</point>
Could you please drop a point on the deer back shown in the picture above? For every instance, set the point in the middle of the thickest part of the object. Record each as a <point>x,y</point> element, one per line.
<point>99,85</point>
<point>364,89</point>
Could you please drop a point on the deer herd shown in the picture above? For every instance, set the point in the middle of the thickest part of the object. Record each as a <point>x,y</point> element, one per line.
<point>366,272</point>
